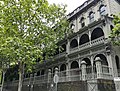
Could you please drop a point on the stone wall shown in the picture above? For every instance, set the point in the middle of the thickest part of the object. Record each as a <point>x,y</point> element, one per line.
<point>35,87</point>
<point>72,86</point>
<point>102,85</point>
<point>106,85</point>
<point>64,86</point>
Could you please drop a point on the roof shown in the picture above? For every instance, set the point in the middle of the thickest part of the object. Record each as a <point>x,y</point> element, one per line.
<point>81,7</point>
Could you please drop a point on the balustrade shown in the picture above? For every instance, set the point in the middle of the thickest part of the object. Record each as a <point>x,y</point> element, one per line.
<point>60,55</point>
<point>83,46</point>
<point>69,75</point>
<point>97,41</point>
<point>106,72</point>
<point>90,73</point>
<point>73,75</point>
<point>73,50</point>
<point>88,44</point>
<point>41,79</point>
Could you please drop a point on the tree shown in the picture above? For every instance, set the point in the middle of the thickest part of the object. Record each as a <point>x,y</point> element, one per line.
<point>115,35</point>
<point>4,65</point>
<point>28,29</point>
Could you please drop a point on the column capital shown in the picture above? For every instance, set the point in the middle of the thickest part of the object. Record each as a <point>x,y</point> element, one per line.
<point>98,67</point>
<point>98,59</point>
<point>83,62</point>
<point>56,69</point>
<point>49,70</point>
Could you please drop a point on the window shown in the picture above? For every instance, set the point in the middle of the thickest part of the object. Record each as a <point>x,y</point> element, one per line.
<point>38,73</point>
<point>82,21</point>
<point>84,39</point>
<point>73,43</point>
<point>117,62</point>
<point>102,10</point>
<point>42,72</point>
<point>111,27</point>
<point>97,33</point>
<point>72,26</point>
<point>91,17</point>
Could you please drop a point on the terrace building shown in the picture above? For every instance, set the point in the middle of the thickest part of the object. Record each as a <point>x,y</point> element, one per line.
<point>88,56</point>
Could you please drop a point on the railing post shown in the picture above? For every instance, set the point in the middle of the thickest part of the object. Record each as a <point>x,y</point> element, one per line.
<point>56,70</point>
<point>83,65</point>
<point>56,78</point>
<point>68,71</point>
<point>98,67</point>
<point>30,84</point>
<point>68,46</point>
<point>49,75</point>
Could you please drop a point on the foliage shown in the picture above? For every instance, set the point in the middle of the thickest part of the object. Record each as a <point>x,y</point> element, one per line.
<point>115,35</point>
<point>28,29</point>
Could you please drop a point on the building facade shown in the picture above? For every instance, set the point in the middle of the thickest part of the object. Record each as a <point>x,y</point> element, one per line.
<point>88,54</point>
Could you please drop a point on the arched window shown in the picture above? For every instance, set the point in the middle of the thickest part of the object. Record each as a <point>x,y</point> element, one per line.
<point>43,72</point>
<point>88,65</point>
<point>63,48</point>
<point>75,71</point>
<point>97,32</point>
<point>84,39</point>
<point>103,58</point>
<point>117,62</point>
<point>38,73</point>
<point>63,70</point>
<point>111,27</point>
<point>104,62</point>
<point>63,67</point>
<point>57,51</point>
<point>91,16</point>
<point>102,10</point>
<point>94,67</point>
<point>72,26</point>
<point>74,65</point>
<point>73,43</point>
<point>82,21</point>
<point>27,75</point>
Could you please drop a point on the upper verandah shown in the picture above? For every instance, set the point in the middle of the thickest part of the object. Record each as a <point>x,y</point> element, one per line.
<point>86,5</point>
<point>81,8</point>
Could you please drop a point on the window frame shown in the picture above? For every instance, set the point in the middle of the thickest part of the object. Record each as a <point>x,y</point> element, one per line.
<point>102,10</point>
<point>82,21</point>
<point>91,16</point>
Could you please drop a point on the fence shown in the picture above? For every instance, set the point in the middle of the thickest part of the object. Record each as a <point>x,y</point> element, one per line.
<point>69,75</point>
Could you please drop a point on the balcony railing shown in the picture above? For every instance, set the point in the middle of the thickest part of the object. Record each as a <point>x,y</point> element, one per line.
<point>41,79</point>
<point>72,50</point>
<point>91,73</point>
<point>83,46</point>
<point>98,41</point>
<point>88,44</point>
<point>68,75</point>
<point>106,72</point>
<point>60,55</point>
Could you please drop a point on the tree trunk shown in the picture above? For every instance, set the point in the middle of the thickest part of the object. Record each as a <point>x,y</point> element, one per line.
<point>3,80</point>
<point>20,76</point>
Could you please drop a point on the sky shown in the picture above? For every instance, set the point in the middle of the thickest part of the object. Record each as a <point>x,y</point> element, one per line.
<point>71,4</point>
